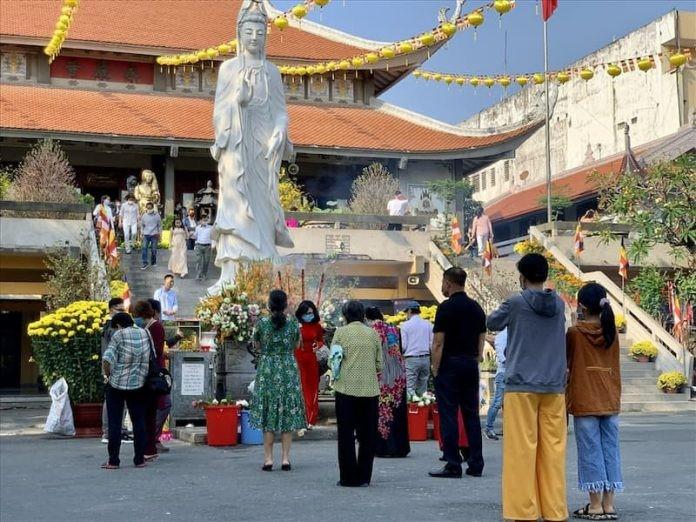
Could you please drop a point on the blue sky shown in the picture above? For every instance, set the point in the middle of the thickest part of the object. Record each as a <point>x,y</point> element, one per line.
<point>577,28</point>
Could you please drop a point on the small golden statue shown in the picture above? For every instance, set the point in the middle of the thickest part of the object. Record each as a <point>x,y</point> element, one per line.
<point>147,191</point>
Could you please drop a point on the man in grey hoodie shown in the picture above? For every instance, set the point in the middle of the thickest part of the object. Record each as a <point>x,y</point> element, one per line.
<point>534,420</point>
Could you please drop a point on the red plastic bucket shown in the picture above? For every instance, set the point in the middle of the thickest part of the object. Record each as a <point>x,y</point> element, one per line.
<point>417,422</point>
<point>222,425</point>
<point>463,441</point>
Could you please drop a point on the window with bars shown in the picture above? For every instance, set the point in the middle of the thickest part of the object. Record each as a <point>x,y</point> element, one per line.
<point>475,182</point>
<point>506,170</point>
<point>483,180</point>
<point>493,177</point>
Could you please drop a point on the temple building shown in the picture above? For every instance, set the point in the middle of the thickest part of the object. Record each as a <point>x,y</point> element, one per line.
<point>116,110</point>
<point>590,123</point>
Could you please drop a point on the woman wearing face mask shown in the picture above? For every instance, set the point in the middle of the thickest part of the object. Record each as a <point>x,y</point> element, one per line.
<point>312,340</point>
<point>145,318</point>
<point>593,397</point>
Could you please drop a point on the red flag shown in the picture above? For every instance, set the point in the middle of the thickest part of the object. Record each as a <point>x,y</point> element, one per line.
<point>488,257</point>
<point>623,261</point>
<point>547,8</point>
<point>456,236</point>
<point>579,241</point>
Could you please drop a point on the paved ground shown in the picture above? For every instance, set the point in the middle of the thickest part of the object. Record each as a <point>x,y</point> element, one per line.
<point>43,478</point>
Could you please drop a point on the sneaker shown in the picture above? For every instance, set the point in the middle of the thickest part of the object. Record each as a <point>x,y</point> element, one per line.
<point>490,434</point>
<point>105,440</point>
<point>154,265</point>
<point>126,439</point>
<point>144,267</point>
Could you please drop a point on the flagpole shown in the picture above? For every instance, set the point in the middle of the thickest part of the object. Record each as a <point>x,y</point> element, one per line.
<point>548,126</point>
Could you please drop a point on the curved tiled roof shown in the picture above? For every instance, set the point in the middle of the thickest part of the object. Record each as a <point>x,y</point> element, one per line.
<point>160,24</point>
<point>166,116</point>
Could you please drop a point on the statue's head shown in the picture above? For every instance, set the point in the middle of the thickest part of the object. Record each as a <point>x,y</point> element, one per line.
<point>251,27</point>
<point>147,176</point>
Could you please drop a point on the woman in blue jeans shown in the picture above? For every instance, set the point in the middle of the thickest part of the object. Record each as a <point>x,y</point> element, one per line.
<point>500,343</point>
<point>594,399</point>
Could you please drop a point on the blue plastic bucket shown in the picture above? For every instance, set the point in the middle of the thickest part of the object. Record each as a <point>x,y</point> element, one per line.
<point>250,435</point>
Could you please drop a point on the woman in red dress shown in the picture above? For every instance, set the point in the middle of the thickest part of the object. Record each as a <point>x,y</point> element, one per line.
<point>312,339</point>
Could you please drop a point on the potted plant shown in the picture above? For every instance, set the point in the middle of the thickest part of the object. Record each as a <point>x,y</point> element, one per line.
<point>643,351</point>
<point>249,434</point>
<point>620,322</point>
<point>221,420</point>
<point>671,382</point>
<point>418,409</point>
<point>67,343</point>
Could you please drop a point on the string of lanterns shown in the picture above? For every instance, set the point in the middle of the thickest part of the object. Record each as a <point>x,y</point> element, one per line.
<point>444,31</point>
<point>615,68</point>
<point>60,31</point>
<point>281,22</point>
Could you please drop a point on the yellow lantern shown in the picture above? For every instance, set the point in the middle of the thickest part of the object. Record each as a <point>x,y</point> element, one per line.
<point>321,3</point>
<point>677,59</point>
<point>59,34</point>
<point>475,82</point>
<point>211,53</point>
<point>61,26</point>
<point>191,58</point>
<point>489,82</point>
<point>299,11</point>
<point>372,57</point>
<point>281,22</point>
<point>233,44</point>
<point>563,77</point>
<point>66,10</point>
<point>405,47</point>
<point>160,60</point>
<point>426,76</point>
<point>71,3</point>
<point>388,53</point>
<point>539,78</point>
<point>201,55</point>
<point>311,70</point>
<point>224,49</point>
<point>332,66</point>
<point>522,80</point>
<point>48,50</point>
<point>613,70</point>
<point>321,68</point>
<point>504,81</point>
<point>357,61</point>
<point>502,6</point>
<point>344,65</point>
<point>645,64</point>
<point>437,77</point>
<point>64,18</point>
<point>301,71</point>
<point>460,81</point>
<point>586,74</point>
<point>475,19</point>
<point>448,29</point>
<point>292,71</point>
<point>448,79</point>
<point>427,39</point>
<point>417,73</point>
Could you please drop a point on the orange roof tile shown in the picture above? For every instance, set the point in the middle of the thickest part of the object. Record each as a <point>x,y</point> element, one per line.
<point>160,116</point>
<point>574,185</point>
<point>166,24</point>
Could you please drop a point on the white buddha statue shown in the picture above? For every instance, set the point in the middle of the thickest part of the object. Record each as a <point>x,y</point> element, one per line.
<point>251,139</point>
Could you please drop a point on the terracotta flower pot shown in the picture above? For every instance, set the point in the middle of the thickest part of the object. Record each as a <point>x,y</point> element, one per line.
<point>88,419</point>
<point>672,390</point>
<point>642,358</point>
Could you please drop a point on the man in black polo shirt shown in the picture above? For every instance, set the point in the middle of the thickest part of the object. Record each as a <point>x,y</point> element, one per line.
<point>460,328</point>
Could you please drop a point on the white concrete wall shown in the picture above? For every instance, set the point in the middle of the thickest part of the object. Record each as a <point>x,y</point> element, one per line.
<point>585,119</point>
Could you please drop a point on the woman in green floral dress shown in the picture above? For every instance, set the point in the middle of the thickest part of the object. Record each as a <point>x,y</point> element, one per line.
<point>277,404</point>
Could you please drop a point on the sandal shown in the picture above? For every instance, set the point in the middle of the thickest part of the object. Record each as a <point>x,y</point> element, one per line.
<point>267,467</point>
<point>141,465</point>
<point>611,515</point>
<point>286,467</point>
<point>584,513</point>
<point>106,465</point>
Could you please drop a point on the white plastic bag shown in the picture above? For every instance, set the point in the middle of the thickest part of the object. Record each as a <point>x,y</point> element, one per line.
<point>60,417</point>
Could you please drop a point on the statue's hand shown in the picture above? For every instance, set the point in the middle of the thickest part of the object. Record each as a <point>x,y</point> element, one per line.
<point>275,143</point>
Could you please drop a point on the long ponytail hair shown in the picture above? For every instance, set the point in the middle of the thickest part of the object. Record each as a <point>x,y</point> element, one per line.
<point>277,303</point>
<point>593,297</point>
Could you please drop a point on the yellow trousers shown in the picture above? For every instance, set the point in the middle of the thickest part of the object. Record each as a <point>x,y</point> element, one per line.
<point>534,454</point>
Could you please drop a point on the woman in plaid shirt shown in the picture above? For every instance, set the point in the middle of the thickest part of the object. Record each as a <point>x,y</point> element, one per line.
<point>125,364</point>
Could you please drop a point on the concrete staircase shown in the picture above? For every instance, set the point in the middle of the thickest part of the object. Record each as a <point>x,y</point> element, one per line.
<point>143,283</point>
<point>639,387</point>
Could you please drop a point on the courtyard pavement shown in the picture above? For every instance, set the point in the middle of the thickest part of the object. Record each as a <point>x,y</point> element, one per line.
<point>47,478</point>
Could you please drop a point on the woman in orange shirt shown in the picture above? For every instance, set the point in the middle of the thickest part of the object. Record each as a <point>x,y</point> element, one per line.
<point>312,339</point>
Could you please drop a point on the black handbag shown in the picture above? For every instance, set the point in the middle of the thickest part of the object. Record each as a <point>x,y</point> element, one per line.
<point>158,380</point>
